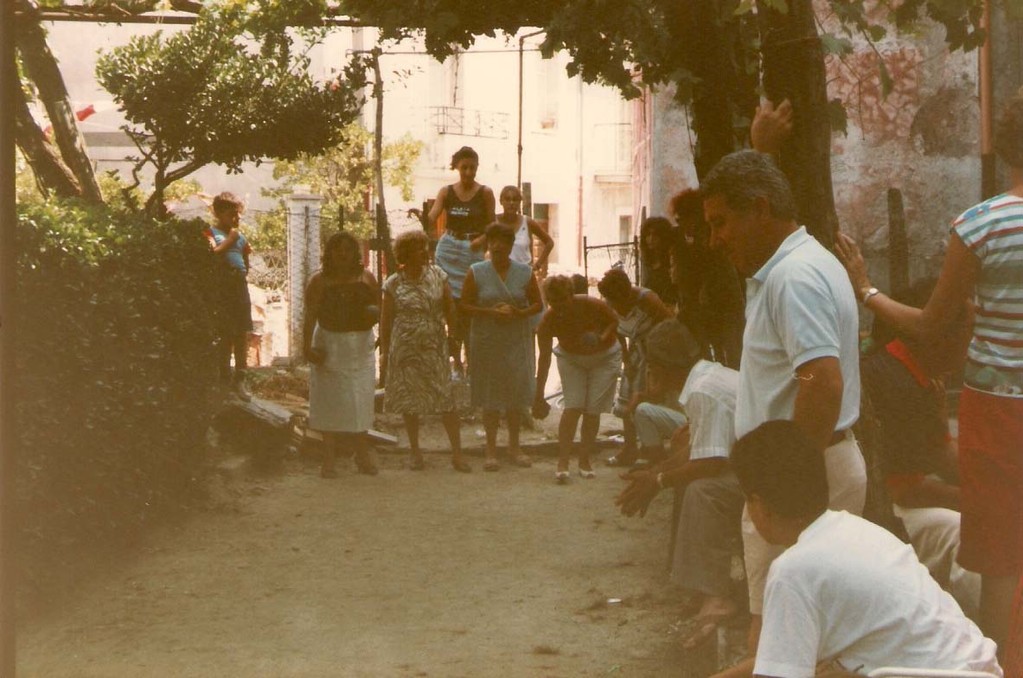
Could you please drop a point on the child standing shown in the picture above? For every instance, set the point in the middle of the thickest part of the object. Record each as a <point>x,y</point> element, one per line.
<point>236,313</point>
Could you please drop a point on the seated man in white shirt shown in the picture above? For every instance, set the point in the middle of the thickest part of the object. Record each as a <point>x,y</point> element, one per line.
<point>691,401</point>
<point>846,597</point>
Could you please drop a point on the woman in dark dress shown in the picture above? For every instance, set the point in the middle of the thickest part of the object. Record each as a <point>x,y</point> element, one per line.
<point>341,309</point>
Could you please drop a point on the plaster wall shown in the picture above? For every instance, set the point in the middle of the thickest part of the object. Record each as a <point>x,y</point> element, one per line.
<point>923,138</point>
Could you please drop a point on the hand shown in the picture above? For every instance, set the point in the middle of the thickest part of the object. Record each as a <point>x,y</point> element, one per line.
<point>637,496</point>
<point>504,310</point>
<point>541,408</point>
<point>315,356</point>
<point>478,243</point>
<point>539,265</point>
<point>849,254</point>
<point>771,126</point>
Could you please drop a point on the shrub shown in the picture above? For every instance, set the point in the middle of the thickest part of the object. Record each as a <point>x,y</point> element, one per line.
<point>114,370</point>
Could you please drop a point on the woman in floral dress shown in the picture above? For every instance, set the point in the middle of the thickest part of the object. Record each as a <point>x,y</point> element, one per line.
<point>414,363</point>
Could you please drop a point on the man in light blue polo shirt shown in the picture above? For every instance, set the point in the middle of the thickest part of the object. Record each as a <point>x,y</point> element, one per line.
<point>800,357</point>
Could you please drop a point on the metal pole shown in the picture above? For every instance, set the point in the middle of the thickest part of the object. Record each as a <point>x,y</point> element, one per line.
<point>518,176</point>
<point>8,257</point>
<point>988,164</point>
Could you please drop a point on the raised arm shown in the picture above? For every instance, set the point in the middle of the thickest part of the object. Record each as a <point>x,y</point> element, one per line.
<point>958,279</point>
<point>545,239</point>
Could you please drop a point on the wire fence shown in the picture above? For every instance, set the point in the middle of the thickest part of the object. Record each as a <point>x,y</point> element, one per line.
<point>602,258</point>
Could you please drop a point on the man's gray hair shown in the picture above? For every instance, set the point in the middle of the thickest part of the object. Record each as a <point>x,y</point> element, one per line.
<point>742,177</point>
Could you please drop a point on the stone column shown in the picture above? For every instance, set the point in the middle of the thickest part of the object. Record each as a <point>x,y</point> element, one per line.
<point>303,259</point>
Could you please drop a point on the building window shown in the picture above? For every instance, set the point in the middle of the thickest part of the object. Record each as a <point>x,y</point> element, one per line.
<point>625,228</point>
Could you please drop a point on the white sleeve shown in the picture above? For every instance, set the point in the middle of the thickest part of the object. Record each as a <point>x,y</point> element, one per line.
<point>790,635</point>
<point>806,311</point>
<point>711,427</point>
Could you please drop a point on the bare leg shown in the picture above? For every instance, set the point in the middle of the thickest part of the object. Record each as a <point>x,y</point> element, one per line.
<point>996,599</point>
<point>363,458</point>
<point>491,419</point>
<point>566,435</point>
<point>591,424</point>
<point>412,428</point>
<point>331,442</point>
<point>453,428</point>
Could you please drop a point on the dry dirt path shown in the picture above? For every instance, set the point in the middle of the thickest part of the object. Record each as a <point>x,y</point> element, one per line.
<point>403,574</point>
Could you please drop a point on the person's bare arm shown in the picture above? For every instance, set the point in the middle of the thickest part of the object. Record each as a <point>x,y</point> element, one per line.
<point>545,239</point>
<point>386,322</point>
<point>228,242</point>
<point>771,126</point>
<point>655,308</point>
<point>643,486</point>
<point>450,312</point>
<point>489,204</point>
<point>818,399</point>
<point>437,208</point>
<point>956,284</point>
<point>313,298</point>
<point>533,297</point>
<point>928,493</point>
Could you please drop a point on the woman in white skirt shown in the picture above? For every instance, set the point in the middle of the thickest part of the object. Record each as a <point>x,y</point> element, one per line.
<point>341,309</point>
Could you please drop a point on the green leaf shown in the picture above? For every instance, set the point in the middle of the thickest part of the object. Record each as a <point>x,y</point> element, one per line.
<point>837,117</point>
<point>833,44</point>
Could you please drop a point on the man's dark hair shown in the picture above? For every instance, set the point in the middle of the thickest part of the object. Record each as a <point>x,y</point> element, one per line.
<point>776,462</point>
<point>464,152</point>
<point>615,284</point>
<point>580,285</point>
<point>742,177</point>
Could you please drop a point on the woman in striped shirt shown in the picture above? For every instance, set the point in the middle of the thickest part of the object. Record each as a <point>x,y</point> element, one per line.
<point>984,262</point>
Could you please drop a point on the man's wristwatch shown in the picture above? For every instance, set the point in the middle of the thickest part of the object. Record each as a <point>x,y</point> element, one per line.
<point>871,291</point>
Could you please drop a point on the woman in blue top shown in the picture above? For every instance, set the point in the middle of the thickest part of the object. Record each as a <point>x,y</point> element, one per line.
<point>501,295</point>
<point>236,310</point>
<point>469,208</point>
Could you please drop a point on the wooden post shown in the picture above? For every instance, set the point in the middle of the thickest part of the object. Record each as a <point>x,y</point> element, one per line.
<point>898,243</point>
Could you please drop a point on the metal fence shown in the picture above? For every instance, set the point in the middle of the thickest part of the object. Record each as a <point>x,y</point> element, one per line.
<point>623,255</point>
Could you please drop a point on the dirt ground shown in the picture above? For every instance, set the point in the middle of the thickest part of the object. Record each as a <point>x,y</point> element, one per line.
<point>430,573</point>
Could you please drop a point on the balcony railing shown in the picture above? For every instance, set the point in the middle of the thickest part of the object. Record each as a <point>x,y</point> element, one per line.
<point>470,123</point>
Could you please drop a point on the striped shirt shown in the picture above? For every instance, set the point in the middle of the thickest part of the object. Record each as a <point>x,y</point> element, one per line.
<point>993,231</point>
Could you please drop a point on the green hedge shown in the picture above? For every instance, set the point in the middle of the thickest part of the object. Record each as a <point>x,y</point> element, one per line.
<point>115,370</point>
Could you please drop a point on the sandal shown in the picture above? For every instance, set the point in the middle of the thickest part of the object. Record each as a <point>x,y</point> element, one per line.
<point>587,473</point>
<point>461,466</point>
<point>561,477</point>
<point>521,460</point>
<point>491,465</point>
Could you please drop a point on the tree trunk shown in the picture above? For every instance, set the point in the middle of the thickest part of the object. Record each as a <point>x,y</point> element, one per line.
<point>42,68</point>
<point>793,66</point>
<point>51,175</point>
